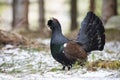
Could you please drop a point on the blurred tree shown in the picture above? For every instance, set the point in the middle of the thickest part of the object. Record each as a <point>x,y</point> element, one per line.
<point>20,14</point>
<point>109,9</point>
<point>42,28</point>
<point>73,15</point>
<point>92,5</point>
<point>41,15</point>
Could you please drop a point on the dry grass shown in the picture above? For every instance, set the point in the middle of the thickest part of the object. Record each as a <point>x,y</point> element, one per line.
<point>35,34</point>
<point>106,64</point>
<point>112,34</point>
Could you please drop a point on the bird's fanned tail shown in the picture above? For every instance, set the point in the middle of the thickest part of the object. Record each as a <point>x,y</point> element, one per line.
<point>91,35</point>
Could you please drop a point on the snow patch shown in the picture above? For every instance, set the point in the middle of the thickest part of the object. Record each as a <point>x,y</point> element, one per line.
<point>27,64</point>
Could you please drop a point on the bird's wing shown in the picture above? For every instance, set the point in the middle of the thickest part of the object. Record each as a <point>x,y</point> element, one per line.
<point>72,50</point>
<point>91,34</point>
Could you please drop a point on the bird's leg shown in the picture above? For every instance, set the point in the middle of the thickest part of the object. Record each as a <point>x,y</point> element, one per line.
<point>63,67</point>
<point>69,66</point>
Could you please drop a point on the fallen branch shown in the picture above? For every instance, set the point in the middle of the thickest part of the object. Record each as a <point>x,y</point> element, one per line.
<point>17,39</point>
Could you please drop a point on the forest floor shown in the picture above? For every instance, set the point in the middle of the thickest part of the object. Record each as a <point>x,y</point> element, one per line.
<point>17,63</point>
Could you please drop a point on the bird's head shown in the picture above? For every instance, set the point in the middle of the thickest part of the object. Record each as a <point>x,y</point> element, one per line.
<point>53,23</point>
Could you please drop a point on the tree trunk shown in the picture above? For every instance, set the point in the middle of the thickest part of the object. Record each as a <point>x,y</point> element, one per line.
<point>41,15</point>
<point>42,28</point>
<point>109,9</point>
<point>92,5</point>
<point>73,15</point>
<point>20,14</point>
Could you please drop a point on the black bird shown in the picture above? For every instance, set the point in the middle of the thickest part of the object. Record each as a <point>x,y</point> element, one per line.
<point>90,37</point>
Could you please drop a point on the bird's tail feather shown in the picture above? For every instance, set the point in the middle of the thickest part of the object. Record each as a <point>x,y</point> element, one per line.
<point>91,34</point>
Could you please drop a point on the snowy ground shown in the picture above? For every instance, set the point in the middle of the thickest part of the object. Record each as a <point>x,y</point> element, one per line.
<point>30,64</point>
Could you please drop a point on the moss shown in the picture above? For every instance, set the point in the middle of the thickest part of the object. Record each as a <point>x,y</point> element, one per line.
<point>106,64</point>
<point>17,70</point>
<point>29,66</point>
<point>31,49</point>
<point>54,69</point>
<point>109,51</point>
<point>33,71</point>
<point>7,65</point>
<point>76,65</point>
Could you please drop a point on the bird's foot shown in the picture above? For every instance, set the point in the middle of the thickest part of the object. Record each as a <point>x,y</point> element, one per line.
<point>69,67</point>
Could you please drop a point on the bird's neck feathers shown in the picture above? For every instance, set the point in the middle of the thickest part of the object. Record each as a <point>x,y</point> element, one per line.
<point>56,33</point>
<point>58,37</point>
<point>56,29</point>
